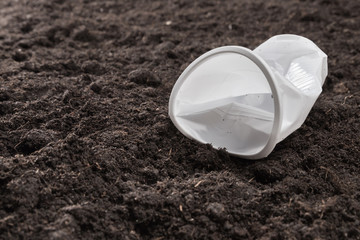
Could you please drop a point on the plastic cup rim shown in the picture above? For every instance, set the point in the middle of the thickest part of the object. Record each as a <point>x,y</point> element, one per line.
<point>264,67</point>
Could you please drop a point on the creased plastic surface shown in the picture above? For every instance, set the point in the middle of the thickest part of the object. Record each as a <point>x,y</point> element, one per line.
<point>300,69</point>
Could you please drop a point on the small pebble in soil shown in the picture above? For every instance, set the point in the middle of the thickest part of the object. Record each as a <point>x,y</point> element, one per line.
<point>144,77</point>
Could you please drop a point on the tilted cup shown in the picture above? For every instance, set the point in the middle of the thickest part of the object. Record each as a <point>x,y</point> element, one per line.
<point>248,101</point>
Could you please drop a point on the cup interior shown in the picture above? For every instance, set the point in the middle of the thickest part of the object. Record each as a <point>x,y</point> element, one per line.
<point>226,100</point>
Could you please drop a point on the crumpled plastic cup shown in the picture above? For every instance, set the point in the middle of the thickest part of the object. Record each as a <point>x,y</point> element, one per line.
<point>248,101</point>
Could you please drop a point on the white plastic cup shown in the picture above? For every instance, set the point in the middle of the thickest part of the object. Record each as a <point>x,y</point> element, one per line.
<point>248,101</point>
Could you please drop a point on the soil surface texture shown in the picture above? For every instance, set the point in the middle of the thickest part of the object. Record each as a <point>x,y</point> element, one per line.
<point>87,150</point>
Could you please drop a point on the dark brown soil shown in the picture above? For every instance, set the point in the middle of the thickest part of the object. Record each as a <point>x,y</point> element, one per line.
<point>88,151</point>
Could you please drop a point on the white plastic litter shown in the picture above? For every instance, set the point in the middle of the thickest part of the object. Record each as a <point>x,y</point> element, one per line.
<point>248,101</point>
